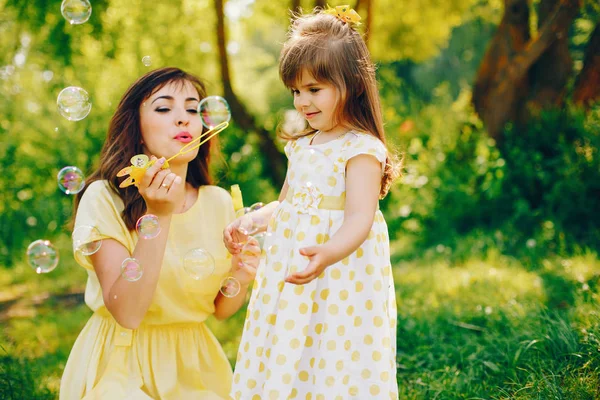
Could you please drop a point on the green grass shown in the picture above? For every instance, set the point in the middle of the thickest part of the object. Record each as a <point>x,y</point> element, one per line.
<point>484,328</point>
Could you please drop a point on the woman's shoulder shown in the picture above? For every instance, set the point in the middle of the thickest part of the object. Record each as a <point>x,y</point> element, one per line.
<point>101,190</point>
<point>216,193</point>
<point>98,186</point>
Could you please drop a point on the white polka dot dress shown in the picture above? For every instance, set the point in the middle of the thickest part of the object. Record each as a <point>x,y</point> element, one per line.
<point>335,337</point>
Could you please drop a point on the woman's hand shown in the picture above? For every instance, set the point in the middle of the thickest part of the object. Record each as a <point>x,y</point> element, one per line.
<point>244,265</point>
<point>158,188</point>
<point>319,259</point>
<point>234,235</point>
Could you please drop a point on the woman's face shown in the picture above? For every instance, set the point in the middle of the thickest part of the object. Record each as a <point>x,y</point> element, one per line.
<point>169,120</point>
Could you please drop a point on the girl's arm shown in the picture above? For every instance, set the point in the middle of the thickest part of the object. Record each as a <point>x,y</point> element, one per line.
<point>245,273</point>
<point>128,301</point>
<point>233,238</point>
<point>363,180</point>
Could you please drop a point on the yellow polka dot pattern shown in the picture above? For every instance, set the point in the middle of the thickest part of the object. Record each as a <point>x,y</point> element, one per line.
<point>335,337</point>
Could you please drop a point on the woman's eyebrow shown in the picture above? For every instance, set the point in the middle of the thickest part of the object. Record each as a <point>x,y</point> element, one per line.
<point>171,98</point>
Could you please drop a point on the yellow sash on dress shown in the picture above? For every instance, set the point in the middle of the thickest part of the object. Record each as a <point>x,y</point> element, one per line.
<point>326,203</point>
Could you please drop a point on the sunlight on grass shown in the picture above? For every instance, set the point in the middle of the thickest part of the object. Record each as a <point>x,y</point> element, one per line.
<point>493,328</point>
<point>484,328</point>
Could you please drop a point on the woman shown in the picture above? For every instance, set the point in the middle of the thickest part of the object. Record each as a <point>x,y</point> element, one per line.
<point>147,338</point>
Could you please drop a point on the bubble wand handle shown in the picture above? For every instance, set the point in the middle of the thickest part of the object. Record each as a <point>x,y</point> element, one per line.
<point>203,138</point>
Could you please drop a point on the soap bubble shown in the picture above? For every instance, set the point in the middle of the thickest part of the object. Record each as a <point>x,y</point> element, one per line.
<point>252,224</point>
<point>42,256</point>
<point>86,240</point>
<point>76,11</point>
<point>256,206</point>
<point>147,226</point>
<point>199,263</point>
<point>230,287</point>
<point>242,211</point>
<point>214,110</point>
<point>261,238</point>
<point>70,180</point>
<point>131,270</point>
<point>147,61</point>
<point>74,103</point>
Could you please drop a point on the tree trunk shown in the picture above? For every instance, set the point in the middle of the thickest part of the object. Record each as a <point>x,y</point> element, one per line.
<point>551,72</point>
<point>510,39</point>
<point>502,85</point>
<point>587,86</point>
<point>276,164</point>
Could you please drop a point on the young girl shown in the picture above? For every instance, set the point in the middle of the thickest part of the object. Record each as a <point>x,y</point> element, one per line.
<point>147,338</point>
<point>321,322</point>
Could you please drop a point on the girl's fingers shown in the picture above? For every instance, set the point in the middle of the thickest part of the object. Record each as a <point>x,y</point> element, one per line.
<point>303,276</point>
<point>299,281</point>
<point>227,235</point>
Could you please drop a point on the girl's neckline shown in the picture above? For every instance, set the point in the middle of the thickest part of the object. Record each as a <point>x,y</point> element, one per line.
<point>310,141</point>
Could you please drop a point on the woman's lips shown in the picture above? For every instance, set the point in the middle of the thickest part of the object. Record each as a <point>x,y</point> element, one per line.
<point>183,137</point>
<point>310,115</point>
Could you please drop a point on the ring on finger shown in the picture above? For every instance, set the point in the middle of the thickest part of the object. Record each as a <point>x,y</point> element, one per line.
<point>164,185</point>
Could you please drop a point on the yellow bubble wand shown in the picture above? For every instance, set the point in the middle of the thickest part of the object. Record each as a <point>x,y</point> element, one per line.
<point>140,162</point>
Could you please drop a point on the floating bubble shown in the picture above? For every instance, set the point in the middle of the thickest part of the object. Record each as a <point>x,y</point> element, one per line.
<point>70,180</point>
<point>147,226</point>
<point>147,61</point>
<point>230,287</point>
<point>74,103</point>
<point>256,206</point>
<point>86,240</point>
<point>261,238</point>
<point>131,270</point>
<point>199,264</point>
<point>249,251</point>
<point>42,256</point>
<point>76,11</point>
<point>242,211</point>
<point>252,224</point>
<point>214,110</point>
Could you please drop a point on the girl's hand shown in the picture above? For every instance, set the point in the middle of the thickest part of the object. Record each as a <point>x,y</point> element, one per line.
<point>233,236</point>
<point>158,188</point>
<point>318,260</point>
<point>244,265</point>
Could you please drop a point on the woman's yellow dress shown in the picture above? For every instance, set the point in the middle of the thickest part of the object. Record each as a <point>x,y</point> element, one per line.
<point>172,355</point>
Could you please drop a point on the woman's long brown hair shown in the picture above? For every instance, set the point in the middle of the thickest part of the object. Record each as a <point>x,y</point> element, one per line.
<point>124,141</point>
<point>334,52</point>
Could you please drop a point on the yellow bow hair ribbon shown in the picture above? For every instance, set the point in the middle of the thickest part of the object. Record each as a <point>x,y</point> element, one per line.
<point>345,14</point>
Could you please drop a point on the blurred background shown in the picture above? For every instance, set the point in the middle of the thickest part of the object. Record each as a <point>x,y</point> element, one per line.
<point>495,226</point>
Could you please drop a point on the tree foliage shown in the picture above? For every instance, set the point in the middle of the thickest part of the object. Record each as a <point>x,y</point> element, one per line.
<point>423,48</point>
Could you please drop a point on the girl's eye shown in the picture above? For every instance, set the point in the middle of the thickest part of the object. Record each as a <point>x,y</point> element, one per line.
<point>314,90</point>
<point>192,111</point>
<point>162,110</point>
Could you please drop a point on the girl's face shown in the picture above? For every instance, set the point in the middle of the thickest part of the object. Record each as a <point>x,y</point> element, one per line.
<point>169,119</point>
<point>317,102</point>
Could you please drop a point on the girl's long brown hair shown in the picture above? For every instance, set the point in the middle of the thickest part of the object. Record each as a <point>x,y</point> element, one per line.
<point>124,139</point>
<point>334,52</point>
